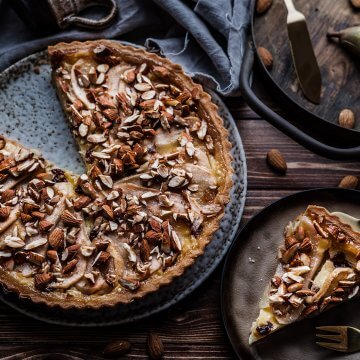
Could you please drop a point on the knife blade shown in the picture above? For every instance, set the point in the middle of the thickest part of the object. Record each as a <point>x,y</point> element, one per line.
<point>306,66</point>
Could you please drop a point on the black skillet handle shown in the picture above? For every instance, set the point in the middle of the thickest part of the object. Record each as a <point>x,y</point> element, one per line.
<point>282,124</point>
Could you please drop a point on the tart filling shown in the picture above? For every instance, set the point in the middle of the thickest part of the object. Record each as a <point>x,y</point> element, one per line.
<point>319,267</point>
<point>158,178</point>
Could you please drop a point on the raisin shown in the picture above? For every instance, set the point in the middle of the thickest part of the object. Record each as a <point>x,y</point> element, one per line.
<point>59,175</point>
<point>265,329</point>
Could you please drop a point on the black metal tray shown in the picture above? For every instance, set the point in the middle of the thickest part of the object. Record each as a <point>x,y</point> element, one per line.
<point>317,133</point>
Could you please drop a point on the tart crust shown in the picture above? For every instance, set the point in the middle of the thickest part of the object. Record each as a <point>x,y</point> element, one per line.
<point>207,110</point>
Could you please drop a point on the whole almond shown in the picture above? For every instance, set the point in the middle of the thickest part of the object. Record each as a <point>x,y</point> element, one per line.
<point>70,266</point>
<point>116,348</point>
<point>69,219</point>
<point>81,202</point>
<point>42,280</point>
<point>56,238</point>
<point>355,3</point>
<point>346,119</point>
<point>349,182</point>
<point>266,57</point>
<point>276,160</point>
<point>155,346</point>
<point>45,225</point>
<point>52,256</point>
<point>4,213</point>
<point>263,5</point>
<point>2,142</point>
<point>8,195</point>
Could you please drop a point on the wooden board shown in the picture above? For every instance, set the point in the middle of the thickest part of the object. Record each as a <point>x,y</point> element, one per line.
<point>340,71</point>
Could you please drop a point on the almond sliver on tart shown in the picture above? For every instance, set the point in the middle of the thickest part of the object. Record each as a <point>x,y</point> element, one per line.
<point>318,267</point>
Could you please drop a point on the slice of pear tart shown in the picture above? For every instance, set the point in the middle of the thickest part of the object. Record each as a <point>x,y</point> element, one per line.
<point>157,181</point>
<point>318,267</point>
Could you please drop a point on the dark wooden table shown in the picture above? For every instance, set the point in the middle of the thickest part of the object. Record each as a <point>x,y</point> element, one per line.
<point>192,329</point>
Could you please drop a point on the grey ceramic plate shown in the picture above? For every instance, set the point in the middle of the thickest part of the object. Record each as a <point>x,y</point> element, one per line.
<point>30,112</point>
<point>249,267</point>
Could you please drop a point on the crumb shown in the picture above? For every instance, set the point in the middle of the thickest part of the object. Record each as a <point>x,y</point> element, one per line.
<point>258,247</point>
<point>251,260</point>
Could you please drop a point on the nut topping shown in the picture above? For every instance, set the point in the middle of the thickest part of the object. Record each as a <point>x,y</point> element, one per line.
<point>289,253</point>
<point>14,242</point>
<point>276,281</point>
<point>304,293</point>
<point>176,181</point>
<point>69,219</point>
<point>102,68</point>
<point>81,202</point>
<point>306,246</point>
<point>35,258</point>
<point>45,225</point>
<point>101,258</point>
<point>4,213</point>
<point>56,238</point>
<point>290,241</point>
<point>42,280</point>
<point>7,195</point>
<point>295,287</point>
<point>70,266</point>
<point>35,244</point>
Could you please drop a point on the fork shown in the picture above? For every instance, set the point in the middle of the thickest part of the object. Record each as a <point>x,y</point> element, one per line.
<point>346,338</point>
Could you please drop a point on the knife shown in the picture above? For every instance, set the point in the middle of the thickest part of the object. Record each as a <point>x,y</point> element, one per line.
<point>306,66</point>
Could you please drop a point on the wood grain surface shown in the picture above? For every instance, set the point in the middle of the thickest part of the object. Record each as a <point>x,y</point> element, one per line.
<point>340,71</point>
<point>192,329</point>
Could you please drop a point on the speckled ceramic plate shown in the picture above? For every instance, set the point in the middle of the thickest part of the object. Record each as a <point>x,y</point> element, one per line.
<point>31,113</point>
<point>251,263</point>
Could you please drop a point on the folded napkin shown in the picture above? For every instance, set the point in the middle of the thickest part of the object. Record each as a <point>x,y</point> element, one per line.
<point>207,37</point>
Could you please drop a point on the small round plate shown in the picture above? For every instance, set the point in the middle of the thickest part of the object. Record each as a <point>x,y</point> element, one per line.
<point>251,263</point>
<point>31,113</point>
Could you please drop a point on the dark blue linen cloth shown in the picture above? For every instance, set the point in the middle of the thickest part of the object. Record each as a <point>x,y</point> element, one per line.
<point>207,37</point>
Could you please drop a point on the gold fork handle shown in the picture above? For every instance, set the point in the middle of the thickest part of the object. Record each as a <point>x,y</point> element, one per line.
<point>353,339</point>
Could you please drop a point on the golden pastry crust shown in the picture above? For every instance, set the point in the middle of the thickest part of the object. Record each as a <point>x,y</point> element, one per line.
<point>129,185</point>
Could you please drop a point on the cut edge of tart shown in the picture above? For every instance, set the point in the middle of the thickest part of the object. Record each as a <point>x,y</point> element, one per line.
<point>318,268</point>
<point>132,189</point>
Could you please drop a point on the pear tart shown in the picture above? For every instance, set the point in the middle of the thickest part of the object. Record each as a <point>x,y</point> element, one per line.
<point>319,267</point>
<point>158,177</point>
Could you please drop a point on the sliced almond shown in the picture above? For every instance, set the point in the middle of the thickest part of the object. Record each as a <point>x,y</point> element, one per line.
<point>142,87</point>
<point>103,68</point>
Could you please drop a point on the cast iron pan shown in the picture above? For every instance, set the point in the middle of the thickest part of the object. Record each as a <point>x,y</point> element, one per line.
<point>313,126</point>
<point>249,266</point>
